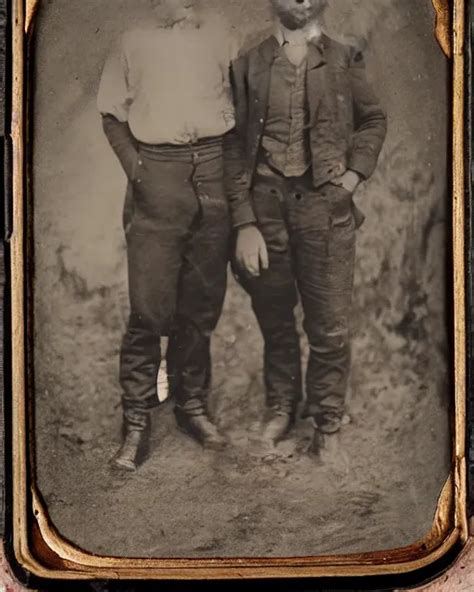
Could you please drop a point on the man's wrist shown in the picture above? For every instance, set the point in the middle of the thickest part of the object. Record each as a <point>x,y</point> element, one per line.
<point>246,225</point>
<point>349,180</point>
<point>355,175</point>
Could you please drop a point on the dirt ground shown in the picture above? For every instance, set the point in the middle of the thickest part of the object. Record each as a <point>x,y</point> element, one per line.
<point>248,501</point>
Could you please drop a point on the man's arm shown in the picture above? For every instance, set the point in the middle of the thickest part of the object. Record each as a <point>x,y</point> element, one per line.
<point>370,120</point>
<point>250,251</point>
<point>113,102</point>
<point>237,181</point>
<point>122,142</point>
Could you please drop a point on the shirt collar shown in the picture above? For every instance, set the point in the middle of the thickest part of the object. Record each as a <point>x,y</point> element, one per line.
<point>310,32</point>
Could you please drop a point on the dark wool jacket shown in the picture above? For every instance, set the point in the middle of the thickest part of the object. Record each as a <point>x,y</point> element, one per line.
<point>347,125</point>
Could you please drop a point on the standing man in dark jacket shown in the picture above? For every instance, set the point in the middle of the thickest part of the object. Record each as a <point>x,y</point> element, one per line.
<point>166,104</point>
<point>309,130</point>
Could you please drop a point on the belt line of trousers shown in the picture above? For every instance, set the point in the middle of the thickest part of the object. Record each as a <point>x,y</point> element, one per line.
<point>310,236</point>
<point>177,230</point>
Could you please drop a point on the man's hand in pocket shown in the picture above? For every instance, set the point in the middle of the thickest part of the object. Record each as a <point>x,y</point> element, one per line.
<point>251,251</point>
<point>348,181</point>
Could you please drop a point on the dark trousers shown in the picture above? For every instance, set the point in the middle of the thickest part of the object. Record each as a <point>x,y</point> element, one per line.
<point>177,229</point>
<point>310,235</point>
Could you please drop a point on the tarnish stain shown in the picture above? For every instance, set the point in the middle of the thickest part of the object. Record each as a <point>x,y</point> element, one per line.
<point>31,8</point>
<point>443,25</point>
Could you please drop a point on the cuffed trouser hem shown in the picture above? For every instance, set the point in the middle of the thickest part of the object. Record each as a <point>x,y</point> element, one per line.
<point>282,408</point>
<point>329,429</point>
<point>191,410</point>
<point>136,418</point>
<point>323,421</point>
<point>142,405</point>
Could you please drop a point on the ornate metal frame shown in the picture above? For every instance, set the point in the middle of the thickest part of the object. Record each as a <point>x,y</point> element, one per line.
<point>41,550</point>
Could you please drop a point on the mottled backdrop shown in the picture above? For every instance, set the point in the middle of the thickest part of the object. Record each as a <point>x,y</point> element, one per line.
<point>185,502</point>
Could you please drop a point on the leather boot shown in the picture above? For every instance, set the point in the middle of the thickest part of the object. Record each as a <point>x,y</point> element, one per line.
<point>191,360</point>
<point>277,427</point>
<point>327,448</point>
<point>201,429</point>
<point>135,446</point>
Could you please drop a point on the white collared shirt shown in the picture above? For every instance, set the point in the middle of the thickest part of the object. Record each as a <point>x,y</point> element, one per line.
<point>298,38</point>
<point>171,84</point>
<point>296,42</point>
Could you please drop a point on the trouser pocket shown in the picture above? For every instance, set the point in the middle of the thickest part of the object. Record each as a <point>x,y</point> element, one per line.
<point>340,205</point>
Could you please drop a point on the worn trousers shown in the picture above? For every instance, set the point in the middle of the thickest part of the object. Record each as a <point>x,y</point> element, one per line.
<point>310,236</point>
<point>177,230</point>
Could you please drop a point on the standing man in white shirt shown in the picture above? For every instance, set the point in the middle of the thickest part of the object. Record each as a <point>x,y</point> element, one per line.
<point>166,104</point>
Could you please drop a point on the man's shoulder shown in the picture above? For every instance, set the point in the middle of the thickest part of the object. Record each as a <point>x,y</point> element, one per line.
<point>347,48</point>
<point>339,45</point>
<point>136,35</point>
<point>255,46</point>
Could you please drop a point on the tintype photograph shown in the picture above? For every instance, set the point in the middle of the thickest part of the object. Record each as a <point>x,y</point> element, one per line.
<point>240,218</point>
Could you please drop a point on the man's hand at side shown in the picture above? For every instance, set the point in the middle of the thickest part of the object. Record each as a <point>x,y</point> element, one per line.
<point>251,251</point>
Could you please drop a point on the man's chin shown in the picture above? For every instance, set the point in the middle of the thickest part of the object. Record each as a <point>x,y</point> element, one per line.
<point>293,23</point>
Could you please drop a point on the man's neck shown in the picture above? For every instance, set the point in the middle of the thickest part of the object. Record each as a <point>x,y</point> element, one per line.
<point>297,36</point>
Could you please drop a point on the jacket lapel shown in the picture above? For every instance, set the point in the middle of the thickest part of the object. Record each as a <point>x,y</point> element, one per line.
<point>315,76</point>
<point>260,73</point>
